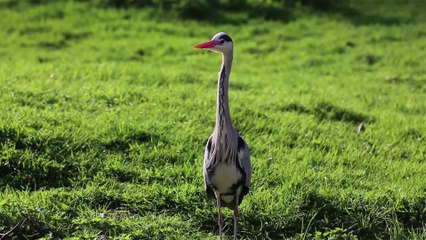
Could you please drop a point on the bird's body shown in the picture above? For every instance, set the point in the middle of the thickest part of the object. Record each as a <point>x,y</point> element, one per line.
<point>228,176</point>
<point>227,167</point>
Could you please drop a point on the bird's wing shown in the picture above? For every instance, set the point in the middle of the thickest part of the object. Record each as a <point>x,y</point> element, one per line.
<point>206,166</point>
<point>207,159</point>
<point>244,157</point>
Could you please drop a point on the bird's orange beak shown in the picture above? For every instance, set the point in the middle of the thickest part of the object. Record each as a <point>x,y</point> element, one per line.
<point>208,44</point>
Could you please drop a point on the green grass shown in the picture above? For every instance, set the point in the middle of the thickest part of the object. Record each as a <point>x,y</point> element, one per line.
<point>105,113</point>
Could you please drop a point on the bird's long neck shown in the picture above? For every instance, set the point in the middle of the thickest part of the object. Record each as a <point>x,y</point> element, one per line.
<point>223,118</point>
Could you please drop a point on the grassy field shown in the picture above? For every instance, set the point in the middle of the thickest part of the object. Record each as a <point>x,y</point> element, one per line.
<point>105,113</point>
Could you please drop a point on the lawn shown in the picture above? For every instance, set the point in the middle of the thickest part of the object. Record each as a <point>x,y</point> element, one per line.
<point>105,113</point>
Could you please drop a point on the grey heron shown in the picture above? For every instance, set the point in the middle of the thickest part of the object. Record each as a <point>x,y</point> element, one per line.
<point>227,167</point>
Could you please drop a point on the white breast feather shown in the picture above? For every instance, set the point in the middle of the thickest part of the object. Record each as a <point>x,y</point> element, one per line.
<point>225,176</point>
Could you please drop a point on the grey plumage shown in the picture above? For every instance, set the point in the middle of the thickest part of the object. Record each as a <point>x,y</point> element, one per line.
<point>227,167</point>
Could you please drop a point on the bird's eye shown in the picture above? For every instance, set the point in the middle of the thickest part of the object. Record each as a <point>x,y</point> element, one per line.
<point>222,41</point>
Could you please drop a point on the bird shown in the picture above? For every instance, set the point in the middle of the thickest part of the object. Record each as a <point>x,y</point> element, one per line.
<point>227,165</point>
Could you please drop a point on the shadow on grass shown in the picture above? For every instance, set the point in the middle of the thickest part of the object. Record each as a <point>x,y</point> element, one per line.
<point>223,15</point>
<point>26,167</point>
<point>28,227</point>
<point>32,162</point>
<point>284,11</point>
<point>327,111</point>
<point>123,144</point>
<point>354,11</point>
<point>360,217</point>
<point>358,17</point>
<point>353,215</point>
<point>417,84</point>
<point>224,12</point>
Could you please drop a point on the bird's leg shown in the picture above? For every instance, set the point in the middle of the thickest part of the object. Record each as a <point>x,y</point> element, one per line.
<point>219,217</point>
<point>236,213</point>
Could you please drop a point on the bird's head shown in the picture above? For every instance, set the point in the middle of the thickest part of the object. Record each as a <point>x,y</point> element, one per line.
<point>221,42</point>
